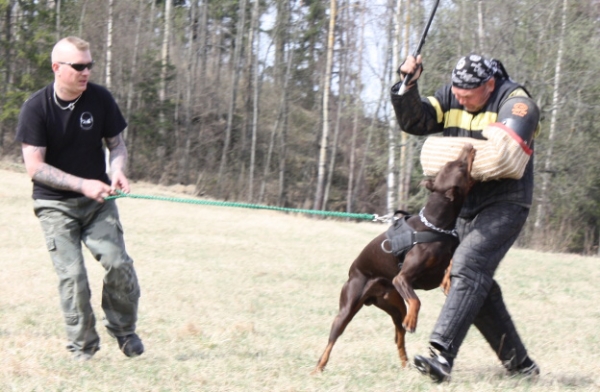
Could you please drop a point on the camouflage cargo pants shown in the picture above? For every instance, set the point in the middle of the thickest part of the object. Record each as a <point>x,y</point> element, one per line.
<point>66,225</point>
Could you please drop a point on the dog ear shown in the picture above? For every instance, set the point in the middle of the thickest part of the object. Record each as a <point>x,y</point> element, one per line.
<point>428,183</point>
<point>451,193</point>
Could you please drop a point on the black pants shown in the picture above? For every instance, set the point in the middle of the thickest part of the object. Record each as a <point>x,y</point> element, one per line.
<point>475,297</point>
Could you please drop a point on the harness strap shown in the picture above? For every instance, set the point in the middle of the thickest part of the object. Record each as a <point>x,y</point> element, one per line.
<point>402,238</point>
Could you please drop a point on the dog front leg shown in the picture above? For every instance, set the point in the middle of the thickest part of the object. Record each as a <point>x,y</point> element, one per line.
<point>445,285</point>
<point>414,264</point>
<point>405,289</point>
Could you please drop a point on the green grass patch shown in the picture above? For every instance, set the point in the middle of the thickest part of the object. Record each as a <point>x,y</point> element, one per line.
<point>242,300</point>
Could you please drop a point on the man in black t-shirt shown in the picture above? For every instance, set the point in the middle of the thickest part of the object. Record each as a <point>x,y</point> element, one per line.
<point>62,128</point>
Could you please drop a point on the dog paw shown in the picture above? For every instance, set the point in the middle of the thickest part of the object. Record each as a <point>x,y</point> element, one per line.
<point>410,327</point>
<point>316,372</point>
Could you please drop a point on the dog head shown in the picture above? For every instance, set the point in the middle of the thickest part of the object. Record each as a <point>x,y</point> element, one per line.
<point>454,180</point>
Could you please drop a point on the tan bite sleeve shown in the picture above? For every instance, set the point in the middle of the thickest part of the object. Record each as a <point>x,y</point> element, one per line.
<point>503,155</point>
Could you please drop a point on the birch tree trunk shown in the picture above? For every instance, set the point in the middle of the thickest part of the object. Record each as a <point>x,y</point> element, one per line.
<point>152,14</point>
<point>283,79</point>
<point>202,75</point>
<point>255,104</point>
<point>131,80</point>
<point>236,70</point>
<point>406,141</point>
<point>10,22</point>
<point>480,31</point>
<point>336,130</point>
<point>184,155</point>
<point>81,17</point>
<point>270,149</point>
<point>318,203</point>
<point>281,192</point>
<point>394,34</point>
<point>58,27</point>
<point>543,202</point>
<point>8,68</point>
<point>402,172</point>
<point>107,81</point>
<point>355,109</point>
<point>109,30</point>
<point>161,150</point>
<point>462,25</point>
<point>242,156</point>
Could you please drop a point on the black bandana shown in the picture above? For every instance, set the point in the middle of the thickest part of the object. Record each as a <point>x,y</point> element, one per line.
<point>474,70</point>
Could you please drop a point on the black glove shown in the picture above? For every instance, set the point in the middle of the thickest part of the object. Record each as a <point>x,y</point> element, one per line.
<point>416,74</point>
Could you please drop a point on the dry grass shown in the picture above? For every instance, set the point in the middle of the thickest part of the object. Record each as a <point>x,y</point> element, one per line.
<point>242,300</point>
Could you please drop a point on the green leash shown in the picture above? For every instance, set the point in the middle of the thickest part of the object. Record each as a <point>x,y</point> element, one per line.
<point>372,217</point>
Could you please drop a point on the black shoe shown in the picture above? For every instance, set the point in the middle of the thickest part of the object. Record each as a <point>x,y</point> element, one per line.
<point>83,356</point>
<point>86,354</point>
<point>437,367</point>
<point>131,345</point>
<point>527,368</point>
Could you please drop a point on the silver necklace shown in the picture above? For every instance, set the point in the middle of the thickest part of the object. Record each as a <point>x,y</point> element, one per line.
<point>434,227</point>
<point>70,106</point>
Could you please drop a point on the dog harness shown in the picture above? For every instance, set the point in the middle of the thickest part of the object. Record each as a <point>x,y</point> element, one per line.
<point>402,237</point>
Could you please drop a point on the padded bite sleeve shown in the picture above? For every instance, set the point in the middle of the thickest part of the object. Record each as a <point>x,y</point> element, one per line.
<point>502,155</point>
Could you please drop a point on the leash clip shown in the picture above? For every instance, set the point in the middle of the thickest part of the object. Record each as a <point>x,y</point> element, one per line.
<point>383,218</point>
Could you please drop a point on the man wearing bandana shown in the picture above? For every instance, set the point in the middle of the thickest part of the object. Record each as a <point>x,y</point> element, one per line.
<point>467,110</point>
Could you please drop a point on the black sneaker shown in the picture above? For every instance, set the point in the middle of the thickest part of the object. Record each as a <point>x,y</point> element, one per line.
<point>436,366</point>
<point>131,345</point>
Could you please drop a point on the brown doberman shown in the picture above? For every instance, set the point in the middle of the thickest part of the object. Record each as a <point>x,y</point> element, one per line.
<point>386,272</point>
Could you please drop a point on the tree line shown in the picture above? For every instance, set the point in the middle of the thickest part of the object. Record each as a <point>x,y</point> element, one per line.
<point>286,102</point>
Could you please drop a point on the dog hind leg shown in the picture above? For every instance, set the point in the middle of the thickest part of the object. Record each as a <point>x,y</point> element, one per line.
<point>393,304</point>
<point>356,291</point>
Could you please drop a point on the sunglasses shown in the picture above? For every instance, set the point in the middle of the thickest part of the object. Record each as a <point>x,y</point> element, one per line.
<point>79,67</point>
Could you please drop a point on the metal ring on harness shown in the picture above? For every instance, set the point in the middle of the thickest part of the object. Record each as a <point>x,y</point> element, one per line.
<point>383,246</point>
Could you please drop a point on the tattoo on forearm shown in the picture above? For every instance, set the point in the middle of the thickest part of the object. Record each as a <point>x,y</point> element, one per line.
<point>58,179</point>
<point>118,153</point>
<point>113,142</point>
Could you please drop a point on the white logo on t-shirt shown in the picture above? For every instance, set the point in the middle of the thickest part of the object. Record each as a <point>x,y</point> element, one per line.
<point>86,121</point>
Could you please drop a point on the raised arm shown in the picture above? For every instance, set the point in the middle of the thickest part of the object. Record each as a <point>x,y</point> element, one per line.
<point>414,114</point>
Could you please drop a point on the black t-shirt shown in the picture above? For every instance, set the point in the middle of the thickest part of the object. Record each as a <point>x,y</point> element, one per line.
<point>73,139</point>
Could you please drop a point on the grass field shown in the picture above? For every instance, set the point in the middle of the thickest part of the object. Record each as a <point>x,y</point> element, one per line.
<point>242,300</point>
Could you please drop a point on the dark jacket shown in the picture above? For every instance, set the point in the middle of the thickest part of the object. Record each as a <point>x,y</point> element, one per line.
<point>443,113</point>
